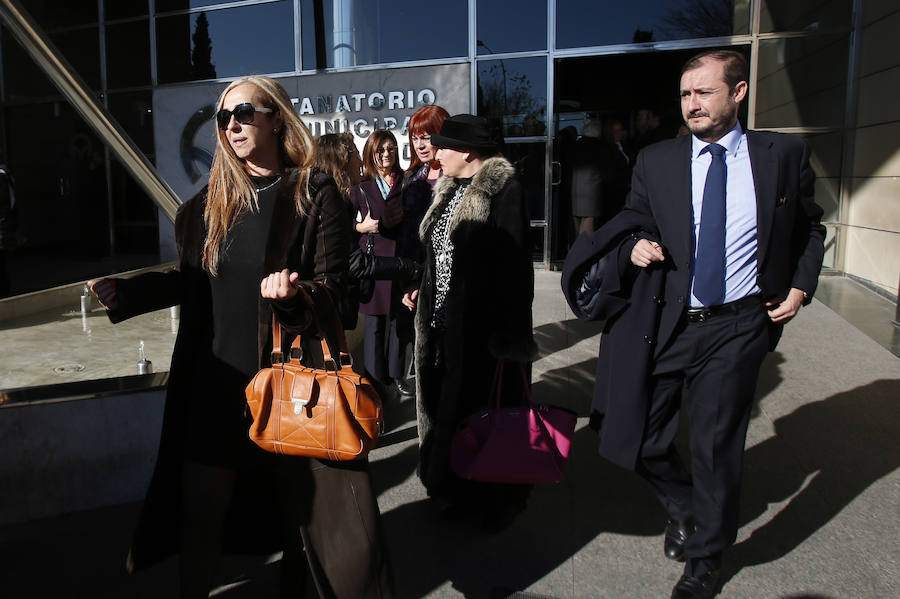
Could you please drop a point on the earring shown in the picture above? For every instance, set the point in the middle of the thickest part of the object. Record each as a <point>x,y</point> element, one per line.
<point>275,131</point>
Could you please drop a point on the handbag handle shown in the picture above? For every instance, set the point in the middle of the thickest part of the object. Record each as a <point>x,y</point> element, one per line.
<point>332,334</point>
<point>497,384</point>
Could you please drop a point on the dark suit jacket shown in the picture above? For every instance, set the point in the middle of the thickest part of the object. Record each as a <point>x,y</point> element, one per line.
<point>790,237</point>
<point>633,300</point>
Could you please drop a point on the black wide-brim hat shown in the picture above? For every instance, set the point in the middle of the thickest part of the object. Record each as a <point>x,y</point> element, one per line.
<point>467,132</point>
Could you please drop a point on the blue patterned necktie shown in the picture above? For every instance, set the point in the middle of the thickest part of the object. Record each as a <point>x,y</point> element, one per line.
<point>709,267</point>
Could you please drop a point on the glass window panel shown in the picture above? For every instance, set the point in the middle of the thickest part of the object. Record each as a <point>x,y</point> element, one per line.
<point>51,14</point>
<point>123,9</point>
<point>804,15</point>
<point>825,153</point>
<point>528,158</point>
<point>135,215</point>
<point>81,48</point>
<point>226,43</point>
<point>503,30</point>
<point>365,32</point>
<point>802,82</point>
<point>828,196</point>
<point>133,111</point>
<point>514,91</point>
<point>537,243</point>
<point>128,54</point>
<point>169,5</point>
<point>647,21</point>
<point>21,77</point>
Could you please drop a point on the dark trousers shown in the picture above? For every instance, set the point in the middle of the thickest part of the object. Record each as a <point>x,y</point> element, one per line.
<point>393,365</point>
<point>718,362</point>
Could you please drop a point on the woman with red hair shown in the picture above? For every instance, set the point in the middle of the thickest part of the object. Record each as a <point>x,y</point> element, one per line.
<point>416,191</point>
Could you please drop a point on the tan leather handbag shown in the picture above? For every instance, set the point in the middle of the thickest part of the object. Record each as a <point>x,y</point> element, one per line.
<point>329,413</point>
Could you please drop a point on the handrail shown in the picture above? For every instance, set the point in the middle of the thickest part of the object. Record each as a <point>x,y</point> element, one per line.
<point>32,38</point>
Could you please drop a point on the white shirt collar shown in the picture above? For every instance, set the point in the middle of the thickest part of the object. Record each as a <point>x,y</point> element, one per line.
<point>731,141</point>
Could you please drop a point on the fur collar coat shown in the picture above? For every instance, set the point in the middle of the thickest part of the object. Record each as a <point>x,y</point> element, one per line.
<point>487,307</point>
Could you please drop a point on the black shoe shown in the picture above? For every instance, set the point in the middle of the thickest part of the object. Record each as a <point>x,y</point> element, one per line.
<point>677,533</point>
<point>405,388</point>
<point>697,587</point>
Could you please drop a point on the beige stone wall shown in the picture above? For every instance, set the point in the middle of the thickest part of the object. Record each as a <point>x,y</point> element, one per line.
<point>870,214</point>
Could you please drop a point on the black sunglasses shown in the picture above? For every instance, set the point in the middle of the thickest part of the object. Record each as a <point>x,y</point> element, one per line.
<point>243,113</point>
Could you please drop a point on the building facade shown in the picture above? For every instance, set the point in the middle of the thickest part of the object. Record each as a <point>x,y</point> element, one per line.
<point>822,70</point>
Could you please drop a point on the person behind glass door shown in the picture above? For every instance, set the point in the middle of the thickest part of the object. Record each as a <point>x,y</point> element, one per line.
<point>382,178</point>
<point>473,308</point>
<point>337,156</point>
<point>587,177</point>
<point>265,225</point>
<point>7,225</point>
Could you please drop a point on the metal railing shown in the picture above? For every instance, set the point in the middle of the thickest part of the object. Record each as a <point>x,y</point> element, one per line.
<point>45,55</point>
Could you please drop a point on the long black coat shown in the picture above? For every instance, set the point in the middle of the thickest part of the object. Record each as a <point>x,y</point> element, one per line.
<point>336,506</point>
<point>488,307</point>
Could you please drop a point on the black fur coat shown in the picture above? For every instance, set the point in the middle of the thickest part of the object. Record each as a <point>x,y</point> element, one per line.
<point>487,309</point>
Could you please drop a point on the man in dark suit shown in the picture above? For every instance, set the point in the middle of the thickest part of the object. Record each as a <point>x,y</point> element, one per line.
<point>740,244</point>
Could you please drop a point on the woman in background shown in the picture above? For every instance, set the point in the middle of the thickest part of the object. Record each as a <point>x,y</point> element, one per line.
<point>382,179</point>
<point>265,225</point>
<point>337,156</point>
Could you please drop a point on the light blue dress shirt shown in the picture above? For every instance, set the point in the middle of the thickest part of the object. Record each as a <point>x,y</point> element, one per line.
<point>740,213</point>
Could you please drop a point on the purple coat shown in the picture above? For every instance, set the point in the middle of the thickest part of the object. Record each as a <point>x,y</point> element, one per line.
<point>365,197</point>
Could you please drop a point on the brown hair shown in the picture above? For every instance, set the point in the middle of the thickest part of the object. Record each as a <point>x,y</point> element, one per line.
<point>735,64</point>
<point>231,192</point>
<point>333,156</point>
<point>375,139</point>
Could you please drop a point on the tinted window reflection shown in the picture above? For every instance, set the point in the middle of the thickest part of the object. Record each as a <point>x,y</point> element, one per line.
<point>81,47</point>
<point>62,13</point>
<point>128,54</point>
<point>528,158</point>
<point>21,77</point>
<point>133,110</point>
<point>384,31</point>
<point>122,9</point>
<point>226,43</point>
<point>167,5</point>
<point>804,15</point>
<point>514,90</point>
<point>592,23</point>
<point>503,30</point>
<point>802,82</point>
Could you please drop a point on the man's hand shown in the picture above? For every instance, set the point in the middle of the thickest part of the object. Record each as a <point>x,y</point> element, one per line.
<point>280,285</point>
<point>105,290</point>
<point>646,252</point>
<point>785,310</point>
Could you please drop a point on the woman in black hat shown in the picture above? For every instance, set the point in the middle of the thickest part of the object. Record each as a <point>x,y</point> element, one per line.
<point>473,307</point>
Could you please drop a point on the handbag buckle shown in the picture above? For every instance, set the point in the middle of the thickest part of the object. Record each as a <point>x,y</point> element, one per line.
<point>277,357</point>
<point>299,404</point>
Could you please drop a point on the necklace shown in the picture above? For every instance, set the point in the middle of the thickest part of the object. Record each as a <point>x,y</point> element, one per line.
<point>259,189</point>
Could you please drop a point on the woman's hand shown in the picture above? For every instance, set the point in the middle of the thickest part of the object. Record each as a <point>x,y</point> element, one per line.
<point>105,291</point>
<point>280,285</point>
<point>367,225</point>
<point>409,299</point>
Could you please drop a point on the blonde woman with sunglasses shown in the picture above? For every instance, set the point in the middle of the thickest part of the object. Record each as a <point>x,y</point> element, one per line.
<point>265,225</point>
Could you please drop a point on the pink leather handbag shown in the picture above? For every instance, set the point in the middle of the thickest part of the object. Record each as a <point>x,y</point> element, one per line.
<point>527,444</point>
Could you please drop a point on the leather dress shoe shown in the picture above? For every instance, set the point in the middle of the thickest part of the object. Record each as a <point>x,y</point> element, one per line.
<point>697,587</point>
<point>677,533</point>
